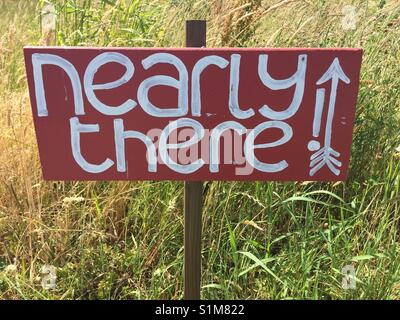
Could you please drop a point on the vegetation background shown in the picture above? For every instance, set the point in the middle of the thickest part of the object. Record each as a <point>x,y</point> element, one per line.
<point>264,240</point>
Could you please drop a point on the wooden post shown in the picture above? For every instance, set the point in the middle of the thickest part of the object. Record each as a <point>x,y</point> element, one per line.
<point>195,37</point>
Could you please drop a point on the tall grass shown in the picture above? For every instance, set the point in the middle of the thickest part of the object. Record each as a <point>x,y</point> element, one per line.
<point>261,240</point>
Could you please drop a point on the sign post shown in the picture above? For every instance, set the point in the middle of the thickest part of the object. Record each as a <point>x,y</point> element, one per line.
<point>195,37</point>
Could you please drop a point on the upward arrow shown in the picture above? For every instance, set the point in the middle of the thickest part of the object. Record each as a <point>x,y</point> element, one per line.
<point>335,71</point>
<point>326,154</point>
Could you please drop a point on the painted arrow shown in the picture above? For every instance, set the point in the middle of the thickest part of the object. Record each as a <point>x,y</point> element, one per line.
<point>327,155</point>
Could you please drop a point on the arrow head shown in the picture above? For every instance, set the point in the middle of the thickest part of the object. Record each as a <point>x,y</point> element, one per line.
<point>334,71</point>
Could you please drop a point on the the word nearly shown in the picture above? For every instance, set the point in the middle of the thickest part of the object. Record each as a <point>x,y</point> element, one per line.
<point>182,84</point>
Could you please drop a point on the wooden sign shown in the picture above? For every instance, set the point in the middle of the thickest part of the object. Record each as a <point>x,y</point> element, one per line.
<point>193,113</point>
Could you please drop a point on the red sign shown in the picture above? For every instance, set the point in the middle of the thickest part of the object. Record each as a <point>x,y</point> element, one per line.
<point>193,113</point>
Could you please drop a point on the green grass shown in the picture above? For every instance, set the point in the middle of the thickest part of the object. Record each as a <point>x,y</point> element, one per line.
<point>261,240</point>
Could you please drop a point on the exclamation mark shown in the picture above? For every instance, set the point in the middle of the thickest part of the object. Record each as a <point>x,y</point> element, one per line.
<point>314,145</point>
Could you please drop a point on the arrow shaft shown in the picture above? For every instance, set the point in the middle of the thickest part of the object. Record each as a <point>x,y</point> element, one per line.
<point>331,111</point>
<point>319,105</point>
